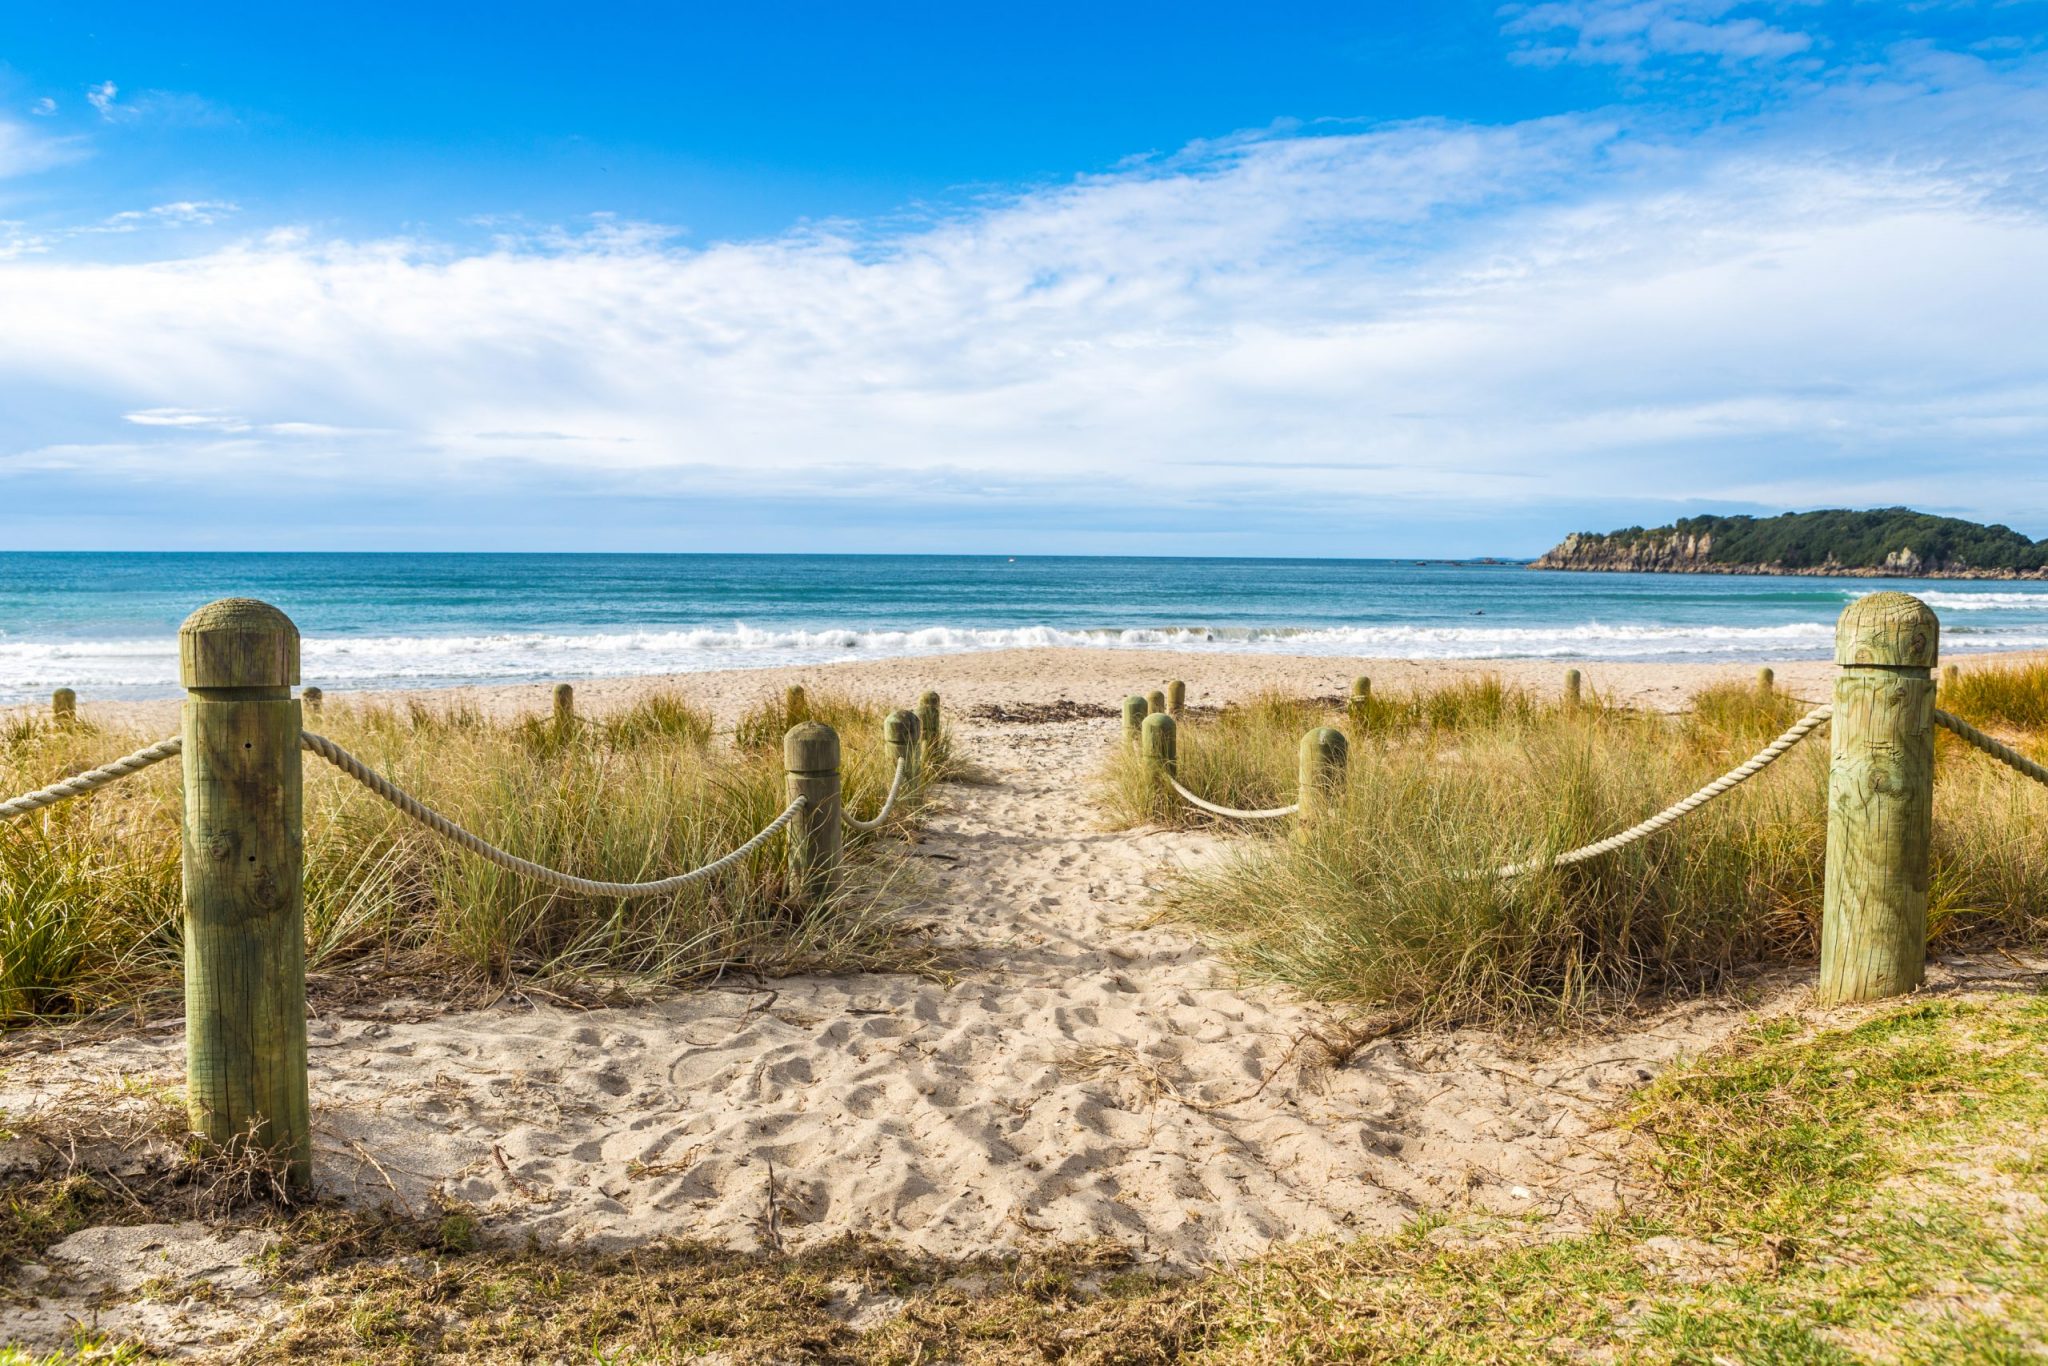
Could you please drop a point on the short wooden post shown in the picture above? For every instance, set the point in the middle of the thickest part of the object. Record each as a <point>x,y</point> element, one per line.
<point>1873,938</point>
<point>916,748</point>
<point>1176,698</point>
<point>245,943</point>
<point>1136,709</point>
<point>310,700</point>
<point>1571,689</point>
<point>1319,775</point>
<point>64,706</point>
<point>565,708</point>
<point>810,758</point>
<point>796,704</point>
<point>1156,702</point>
<point>899,742</point>
<point>1360,702</point>
<point>1766,681</point>
<point>927,719</point>
<point>1160,748</point>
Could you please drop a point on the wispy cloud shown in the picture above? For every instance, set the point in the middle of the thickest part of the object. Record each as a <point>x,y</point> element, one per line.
<point>184,213</point>
<point>102,97</point>
<point>44,107</point>
<point>1630,33</point>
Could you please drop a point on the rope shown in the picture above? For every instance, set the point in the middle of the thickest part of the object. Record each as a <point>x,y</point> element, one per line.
<point>441,825</point>
<point>2005,754</point>
<point>1273,813</point>
<point>888,802</point>
<point>85,782</point>
<point>1734,777</point>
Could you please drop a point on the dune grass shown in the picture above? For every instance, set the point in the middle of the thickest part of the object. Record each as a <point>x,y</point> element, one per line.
<point>1376,906</point>
<point>90,893</point>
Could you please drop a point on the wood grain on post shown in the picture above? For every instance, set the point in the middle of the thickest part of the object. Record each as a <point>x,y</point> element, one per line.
<point>1571,689</point>
<point>899,743</point>
<point>796,704</point>
<point>810,758</point>
<point>565,708</point>
<point>1176,697</point>
<point>1160,747</point>
<point>927,719</point>
<point>1873,940</point>
<point>64,706</point>
<point>1766,680</point>
<point>245,945</point>
<point>1319,775</point>
<point>1156,703</point>
<point>1136,709</point>
<point>309,702</point>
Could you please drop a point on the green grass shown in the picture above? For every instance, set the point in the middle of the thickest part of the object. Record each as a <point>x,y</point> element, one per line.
<point>1375,906</point>
<point>90,899</point>
<point>1872,1192</point>
<point>1999,696</point>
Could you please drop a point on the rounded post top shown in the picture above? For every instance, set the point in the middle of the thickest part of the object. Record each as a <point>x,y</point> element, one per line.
<point>238,643</point>
<point>899,727</point>
<point>1888,630</point>
<point>1159,723</point>
<point>928,698</point>
<point>1327,743</point>
<point>810,747</point>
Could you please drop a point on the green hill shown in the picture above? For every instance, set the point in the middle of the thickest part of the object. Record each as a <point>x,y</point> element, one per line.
<point>1883,541</point>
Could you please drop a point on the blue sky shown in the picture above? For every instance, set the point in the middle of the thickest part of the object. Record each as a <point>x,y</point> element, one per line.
<point>1367,279</point>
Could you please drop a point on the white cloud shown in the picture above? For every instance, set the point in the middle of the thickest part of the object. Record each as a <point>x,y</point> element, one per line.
<point>184,213</point>
<point>1631,32</point>
<point>102,97</point>
<point>44,107</point>
<point>1475,316</point>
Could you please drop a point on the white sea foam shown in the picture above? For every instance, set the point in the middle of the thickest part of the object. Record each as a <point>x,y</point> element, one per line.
<point>148,667</point>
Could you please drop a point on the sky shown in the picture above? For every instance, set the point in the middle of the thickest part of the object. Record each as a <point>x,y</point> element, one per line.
<point>1336,279</point>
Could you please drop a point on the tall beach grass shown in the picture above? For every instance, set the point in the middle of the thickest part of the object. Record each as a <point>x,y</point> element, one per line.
<point>90,894</point>
<point>1389,903</point>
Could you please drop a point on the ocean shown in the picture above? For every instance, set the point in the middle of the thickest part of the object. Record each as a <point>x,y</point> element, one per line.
<point>106,624</point>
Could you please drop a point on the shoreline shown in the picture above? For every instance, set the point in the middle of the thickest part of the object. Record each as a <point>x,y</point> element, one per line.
<point>1048,674</point>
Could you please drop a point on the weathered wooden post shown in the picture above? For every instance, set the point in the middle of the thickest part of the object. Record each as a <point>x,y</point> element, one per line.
<point>927,718</point>
<point>565,708</point>
<point>1160,748</point>
<point>1571,689</point>
<point>1766,681</point>
<point>64,707</point>
<point>1156,702</point>
<point>1135,711</point>
<point>1176,698</point>
<point>245,942</point>
<point>899,742</point>
<point>1360,703</point>
<point>796,704</point>
<point>810,758</point>
<point>1319,775</point>
<point>1873,938</point>
<point>309,702</point>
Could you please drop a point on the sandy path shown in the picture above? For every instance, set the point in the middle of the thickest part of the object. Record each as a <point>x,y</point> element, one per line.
<point>1077,1075</point>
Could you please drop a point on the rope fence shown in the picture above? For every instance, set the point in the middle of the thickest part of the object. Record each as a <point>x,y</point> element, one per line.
<point>92,779</point>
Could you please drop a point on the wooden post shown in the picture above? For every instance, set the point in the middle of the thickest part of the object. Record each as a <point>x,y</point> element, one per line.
<point>1135,709</point>
<point>1766,680</point>
<point>309,701</point>
<point>1156,702</point>
<point>1571,689</point>
<point>796,704</point>
<point>1320,772</point>
<point>245,939</point>
<point>1873,938</point>
<point>899,742</point>
<point>1176,698</point>
<point>810,758</point>
<point>916,748</point>
<point>1360,703</point>
<point>64,706</point>
<point>1161,749</point>
<point>565,708</point>
<point>927,719</point>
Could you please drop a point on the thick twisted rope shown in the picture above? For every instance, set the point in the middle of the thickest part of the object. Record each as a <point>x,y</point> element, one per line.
<point>1734,777</point>
<point>441,825</point>
<point>2005,754</point>
<point>83,783</point>
<point>1273,813</point>
<point>888,802</point>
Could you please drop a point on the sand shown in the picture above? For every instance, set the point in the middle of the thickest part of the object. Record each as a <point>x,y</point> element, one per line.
<point>1076,1072</point>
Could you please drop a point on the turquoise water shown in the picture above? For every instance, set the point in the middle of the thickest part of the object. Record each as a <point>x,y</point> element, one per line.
<point>106,623</point>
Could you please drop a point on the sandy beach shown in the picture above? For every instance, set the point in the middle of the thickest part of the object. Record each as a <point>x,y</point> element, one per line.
<point>1071,1070</point>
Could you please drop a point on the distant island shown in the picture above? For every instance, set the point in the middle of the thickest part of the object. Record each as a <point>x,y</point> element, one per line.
<point>1881,543</point>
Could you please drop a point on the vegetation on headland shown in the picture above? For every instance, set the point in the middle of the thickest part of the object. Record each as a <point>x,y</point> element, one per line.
<point>1378,906</point>
<point>1880,542</point>
<point>1872,1189</point>
<point>90,898</point>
